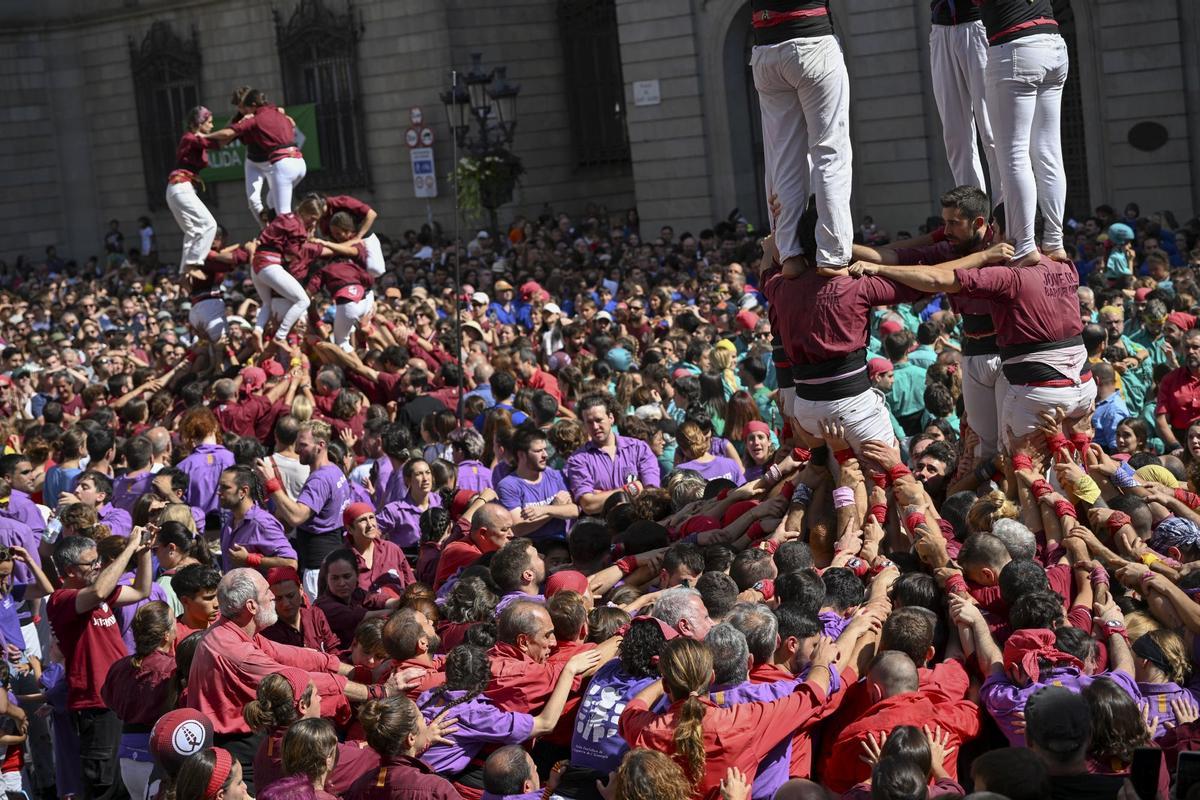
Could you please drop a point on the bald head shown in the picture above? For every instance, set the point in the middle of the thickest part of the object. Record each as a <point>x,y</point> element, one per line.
<point>160,441</point>
<point>800,789</point>
<point>893,673</point>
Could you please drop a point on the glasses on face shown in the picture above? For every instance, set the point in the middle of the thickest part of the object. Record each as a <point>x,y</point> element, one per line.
<point>87,565</point>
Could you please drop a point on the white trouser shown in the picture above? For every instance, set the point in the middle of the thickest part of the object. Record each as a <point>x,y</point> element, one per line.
<point>256,176</point>
<point>282,178</point>
<point>864,417</point>
<point>136,777</point>
<point>346,317</point>
<point>958,57</point>
<point>195,220</point>
<point>983,389</point>
<point>1025,81</point>
<point>804,92</point>
<point>376,265</point>
<point>1022,404</point>
<point>309,582</point>
<point>275,282</point>
<point>208,318</point>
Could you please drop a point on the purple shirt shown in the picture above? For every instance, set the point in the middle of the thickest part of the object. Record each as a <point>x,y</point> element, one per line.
<point>595,743</point>
<point>1003,699</point>
<point>479,723</point>
<point>512,597</point>
<point>1158,697</point>
<point>400,520</point>
<point>204,467</point>
<point>327,493</point>
<point>719,467</point>
<point>117,519</point>
<point>833,623</point>
<point>390,488</point>
<point>590,469</point>
<point>10,621</point>
<point>535,795</point>
<point>259,532</point>
<point>474,476</point>
<point>124,614</point>
<point>127,491</point>
<point>13,531</point>
<point>516,493</point>
<point>23,509</point>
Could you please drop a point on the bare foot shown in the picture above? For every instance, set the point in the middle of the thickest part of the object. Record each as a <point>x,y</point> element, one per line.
<point>1058,254</point>
<point>833,270</point>
<point>1027,260</point>
<point>793,267</point>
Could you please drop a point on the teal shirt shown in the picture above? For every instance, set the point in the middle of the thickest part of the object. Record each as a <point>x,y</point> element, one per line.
<point>908,391</point>
<point>924,356</point>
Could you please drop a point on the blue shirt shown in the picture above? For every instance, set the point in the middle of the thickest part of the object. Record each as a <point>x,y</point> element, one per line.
<point>1105,419</point>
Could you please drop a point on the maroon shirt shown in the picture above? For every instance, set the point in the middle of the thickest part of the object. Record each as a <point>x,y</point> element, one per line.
<point>138,694</point>
<point>286,235</point>
<point>837,311</point>
<point>192,152</point>
<point>91,643</point>
<point>342,202</point>
<point>1030,304</point>
<point>315,632</point>
<point>215,271</point>
<point>246,415</point>
<point>354,759</point>
<point>344,279</point>
<point>345,617</point>
<point>266,130</point>
<point>389,571</point>
<point>402,778</point>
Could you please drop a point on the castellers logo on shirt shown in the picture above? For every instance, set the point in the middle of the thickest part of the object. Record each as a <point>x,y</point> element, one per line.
<point>188,737</point>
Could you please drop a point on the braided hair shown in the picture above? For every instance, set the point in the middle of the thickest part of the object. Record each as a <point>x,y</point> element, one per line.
<point>468,669</point>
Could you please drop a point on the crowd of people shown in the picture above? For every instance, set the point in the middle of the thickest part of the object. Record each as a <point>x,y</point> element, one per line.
<point>583,510</point>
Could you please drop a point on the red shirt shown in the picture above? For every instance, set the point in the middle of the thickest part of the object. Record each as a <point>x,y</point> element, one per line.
<point>243,415</point>
<point>342,202</point>
<point>738,736</point>
<point>192,152</point>
<point>1179,398</point>
<point>540,379</point>
<point>1030,304</point>
<point>518,682</point>
<point>389,571</point>
<point>838,312</point>
<point>455,556</point>
<point>344,279</point>
<point>91,643</point>
<point>845,767</point>
<point>266,130</point>
<point>564,652</point>
<point>433,677</point>
<point>138,694</point>
<point>229,665</point>
<point>314,633</point>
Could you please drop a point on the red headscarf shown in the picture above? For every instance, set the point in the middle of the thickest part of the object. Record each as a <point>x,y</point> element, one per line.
<point>1025,647</point>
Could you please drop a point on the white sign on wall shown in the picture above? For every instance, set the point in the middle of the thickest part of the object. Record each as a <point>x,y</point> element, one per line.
<point>423,172</point>
<point>646,93</point>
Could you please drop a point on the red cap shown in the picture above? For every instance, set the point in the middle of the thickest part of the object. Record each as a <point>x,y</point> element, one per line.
<point>736,510</point>
<point>1140,294</point>
<point>890,326</point>
<point>277,575</point>
<point>529,288</point>
<point>298,679</point>
<point>273,368</point>
<point>747,320</point>
<point>668,632</point>
<point>354,511</point>
<point>1181,320</point>
<point>462,499</point>
<point>878,366</point>
<point>252,378</point>
<point>567,579</point>
<point>177,735</point>
<point>755,426</point>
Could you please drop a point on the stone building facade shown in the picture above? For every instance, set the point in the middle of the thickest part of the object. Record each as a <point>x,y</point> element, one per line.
<point>623,103</point>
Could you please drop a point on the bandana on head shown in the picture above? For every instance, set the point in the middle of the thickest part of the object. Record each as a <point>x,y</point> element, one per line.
<point>1175,532</point>
<point>1025,647</point>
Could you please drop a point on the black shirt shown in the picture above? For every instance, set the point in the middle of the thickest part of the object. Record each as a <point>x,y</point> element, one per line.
<point>1085,786</point>
<point>812,20</point>
<point>954,12</point>
<point>1009,20</point>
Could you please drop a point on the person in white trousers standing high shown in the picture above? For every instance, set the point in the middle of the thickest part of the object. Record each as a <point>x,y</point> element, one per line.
<point>272,152</point>
<point>1026,71</point>
<point>192,216</point>
<point>804,93</point>
<point>958,57</point>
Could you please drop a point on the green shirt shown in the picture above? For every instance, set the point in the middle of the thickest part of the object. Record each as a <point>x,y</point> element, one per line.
<point>908,391</point>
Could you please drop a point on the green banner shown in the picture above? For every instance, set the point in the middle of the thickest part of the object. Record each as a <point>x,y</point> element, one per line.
<point>228,162</point>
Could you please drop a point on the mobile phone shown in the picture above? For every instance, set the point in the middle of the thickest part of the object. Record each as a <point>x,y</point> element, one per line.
<point>1143,774</point>
<point>53,530</point>
<point>1187,774</point>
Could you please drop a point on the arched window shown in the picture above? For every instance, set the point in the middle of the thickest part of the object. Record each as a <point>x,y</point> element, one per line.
<point>166,83</point>
<point>318,55</point>
<point>1073,127</point>
<point>595,86</point>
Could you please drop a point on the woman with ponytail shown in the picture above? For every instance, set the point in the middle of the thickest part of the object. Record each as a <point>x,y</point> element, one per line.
<point>398,733</point>
<point>211,774</point>
<point>194,219</point>
<point>705,739</point>
<point>283,699</point>
<point>310,751</point>
<point>138,690</point>
<point>176,547</point>
<point>480,723</point>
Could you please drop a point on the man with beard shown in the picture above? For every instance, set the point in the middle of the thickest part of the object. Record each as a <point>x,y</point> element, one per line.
<point>933,467</point>
<point>411,641</point>
<point>317,513</point>
<point>81,616</point>
<point>536,495</point>
<point>250,536</point>
<point>234,656</point>
<point>608,463</point>
<point>965,212</point>
<point>1179,395</point>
